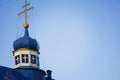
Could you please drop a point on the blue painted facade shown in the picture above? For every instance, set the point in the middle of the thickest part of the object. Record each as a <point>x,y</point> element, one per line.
<point>32,74</point>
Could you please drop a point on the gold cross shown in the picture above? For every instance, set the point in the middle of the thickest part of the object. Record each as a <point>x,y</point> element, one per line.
<point>25,13</point>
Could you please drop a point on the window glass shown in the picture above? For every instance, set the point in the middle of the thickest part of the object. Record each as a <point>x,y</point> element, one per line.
<point>17,59</point>
<point>33,59</point>
<point>24,58</point>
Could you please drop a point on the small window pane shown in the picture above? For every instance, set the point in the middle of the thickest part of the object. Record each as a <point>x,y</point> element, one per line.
<point>33,59</point>
<point>17,59</point>
<point>24,58</point>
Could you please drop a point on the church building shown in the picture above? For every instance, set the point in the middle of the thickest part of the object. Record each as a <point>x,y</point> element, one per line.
<point>26,54</point>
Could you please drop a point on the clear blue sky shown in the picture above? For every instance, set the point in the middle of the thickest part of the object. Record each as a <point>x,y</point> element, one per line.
<point>79,39</point>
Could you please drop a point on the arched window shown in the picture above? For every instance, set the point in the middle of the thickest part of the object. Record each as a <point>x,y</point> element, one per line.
<point>25,58</point>
<point>33,59</point>
<point>17,59</point>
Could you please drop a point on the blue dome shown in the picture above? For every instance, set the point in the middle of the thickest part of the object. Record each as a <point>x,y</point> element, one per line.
<point>26,42</point>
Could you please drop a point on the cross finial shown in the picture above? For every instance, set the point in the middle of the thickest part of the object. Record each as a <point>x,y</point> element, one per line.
<point>26,25</point>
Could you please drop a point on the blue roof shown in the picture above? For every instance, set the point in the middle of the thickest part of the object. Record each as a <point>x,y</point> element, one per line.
<point>26,42</point>
<point>32,73</point>
<point>10,74</point>
<point>21,74</point>
<point>24,74</point>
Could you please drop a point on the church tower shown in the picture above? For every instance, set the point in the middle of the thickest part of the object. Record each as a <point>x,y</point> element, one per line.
<point>26,53</point>
<point>26,49</point>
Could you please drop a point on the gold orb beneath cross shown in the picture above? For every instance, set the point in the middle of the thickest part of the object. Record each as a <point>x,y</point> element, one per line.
<point>26,25</point>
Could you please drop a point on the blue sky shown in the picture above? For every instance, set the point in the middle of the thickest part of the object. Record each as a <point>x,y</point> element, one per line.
<point>79,39</point>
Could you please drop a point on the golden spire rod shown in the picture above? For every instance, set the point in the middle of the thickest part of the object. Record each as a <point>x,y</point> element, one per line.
<point>26,25</point>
